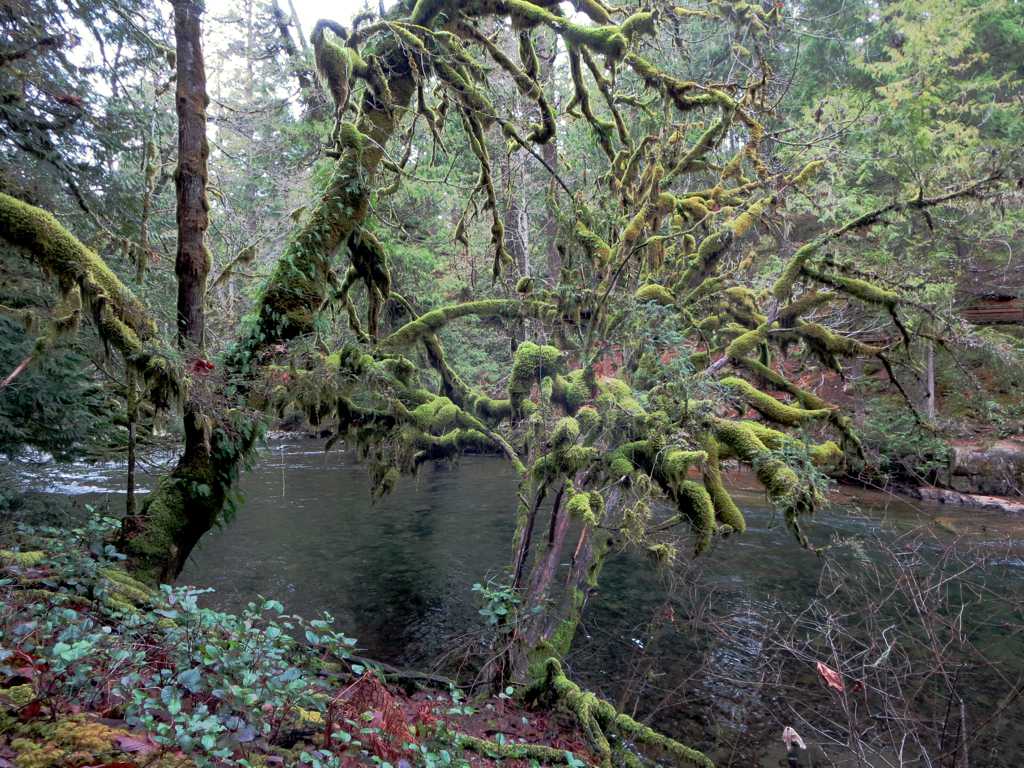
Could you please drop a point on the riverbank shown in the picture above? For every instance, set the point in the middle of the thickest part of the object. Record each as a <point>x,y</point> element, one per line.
<point>98,669</point>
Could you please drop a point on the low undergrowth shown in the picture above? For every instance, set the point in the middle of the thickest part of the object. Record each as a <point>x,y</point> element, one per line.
<point>98,669</point>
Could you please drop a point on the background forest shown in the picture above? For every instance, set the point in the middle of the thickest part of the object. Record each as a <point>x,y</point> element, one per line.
<point>628,248</point>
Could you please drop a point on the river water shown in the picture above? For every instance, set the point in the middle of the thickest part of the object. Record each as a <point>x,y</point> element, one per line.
<point>686,648</point>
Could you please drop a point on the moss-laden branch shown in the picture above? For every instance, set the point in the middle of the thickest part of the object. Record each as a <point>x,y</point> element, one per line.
<point>598,718</point>
<point>299,283</point>
<point>513,751</point>
<point>121,319</point>
<point>769,407</point>
<point>430,322</point>
<point>798,261</point>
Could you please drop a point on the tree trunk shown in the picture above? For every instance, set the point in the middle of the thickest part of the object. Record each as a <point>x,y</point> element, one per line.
<point>193,262</point>
<point>132,406</point>
<point>931,381</point>
<point>186,504</point>
<point>549,151</point>
<point>551,614</point>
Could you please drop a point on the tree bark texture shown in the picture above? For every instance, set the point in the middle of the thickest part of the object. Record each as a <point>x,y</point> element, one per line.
<point>192,263</point>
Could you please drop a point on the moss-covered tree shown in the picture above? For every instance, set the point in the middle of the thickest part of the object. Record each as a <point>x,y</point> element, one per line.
<point>657,354</point>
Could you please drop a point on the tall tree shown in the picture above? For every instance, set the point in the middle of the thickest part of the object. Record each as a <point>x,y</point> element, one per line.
<point>193,260</point>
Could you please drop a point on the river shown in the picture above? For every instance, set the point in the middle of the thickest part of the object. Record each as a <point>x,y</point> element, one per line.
<point>700,649</point>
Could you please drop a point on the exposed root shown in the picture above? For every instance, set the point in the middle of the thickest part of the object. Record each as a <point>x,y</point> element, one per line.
<point>598,719</point>
<point>512,751</point>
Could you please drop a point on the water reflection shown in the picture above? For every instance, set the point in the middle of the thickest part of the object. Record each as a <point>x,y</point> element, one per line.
<point>684,647</point>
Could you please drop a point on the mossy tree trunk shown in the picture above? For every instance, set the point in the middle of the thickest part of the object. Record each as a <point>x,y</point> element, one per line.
<point>552,612</point>
<point>185,505</point>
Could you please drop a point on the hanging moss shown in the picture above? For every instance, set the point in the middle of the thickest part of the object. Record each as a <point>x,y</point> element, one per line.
<point>694,503</point>
<point>726,511</point>
<point>121,319</point>
<point>775,475</point>
<point>581,507</point>
<point>663,554</point>
<point>565,433</point>
<point>336,64</point>
<point>524,285</point>
<point>599,250</point>
<point>564,463</point>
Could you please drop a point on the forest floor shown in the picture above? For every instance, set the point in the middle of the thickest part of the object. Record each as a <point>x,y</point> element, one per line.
<point>98,669</point>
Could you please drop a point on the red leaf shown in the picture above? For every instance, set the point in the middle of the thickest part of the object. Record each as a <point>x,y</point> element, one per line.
<point>200,366</point>
<point>832,678</point>
<point>30,711</point>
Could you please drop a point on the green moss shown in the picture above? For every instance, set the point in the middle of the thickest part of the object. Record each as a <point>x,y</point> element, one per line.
<point>676,462</point>
<point>564,463</point>
<point>641,23</point>
<point>588,418</point>
<point>565,433</point>
<point>780,481</point>
<point>597,716</point>
<point>656,293</point>
<point>826,454</point>
<point>746,343</point>
<point>530,363</point>
<point>596,247</point>
<point>726,511</point>
<point>784,284</point>
<point>22,559</point>
<point>430,322</point>
<point>121,319</point>
<point>619,464</point>
<point>122,592</point>
<point>663,554</point>
<point>769,407</point>
<point>18,696</point>
<point>436,415</point>
<point>807,173</point>
<point>608,40</point>
<point>743,223</point>
<point>615,393</point>
<point>570,391</point>
<point>694,502</point>
<point>510,750</point>
<point>581,507</point>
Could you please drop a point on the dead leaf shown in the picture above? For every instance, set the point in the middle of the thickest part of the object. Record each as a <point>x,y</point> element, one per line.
<point>791,737</point>
<point>832,678</point>
<point>140,744</point>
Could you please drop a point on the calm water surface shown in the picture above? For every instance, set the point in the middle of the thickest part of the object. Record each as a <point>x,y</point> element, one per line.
<point>397,573</point>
